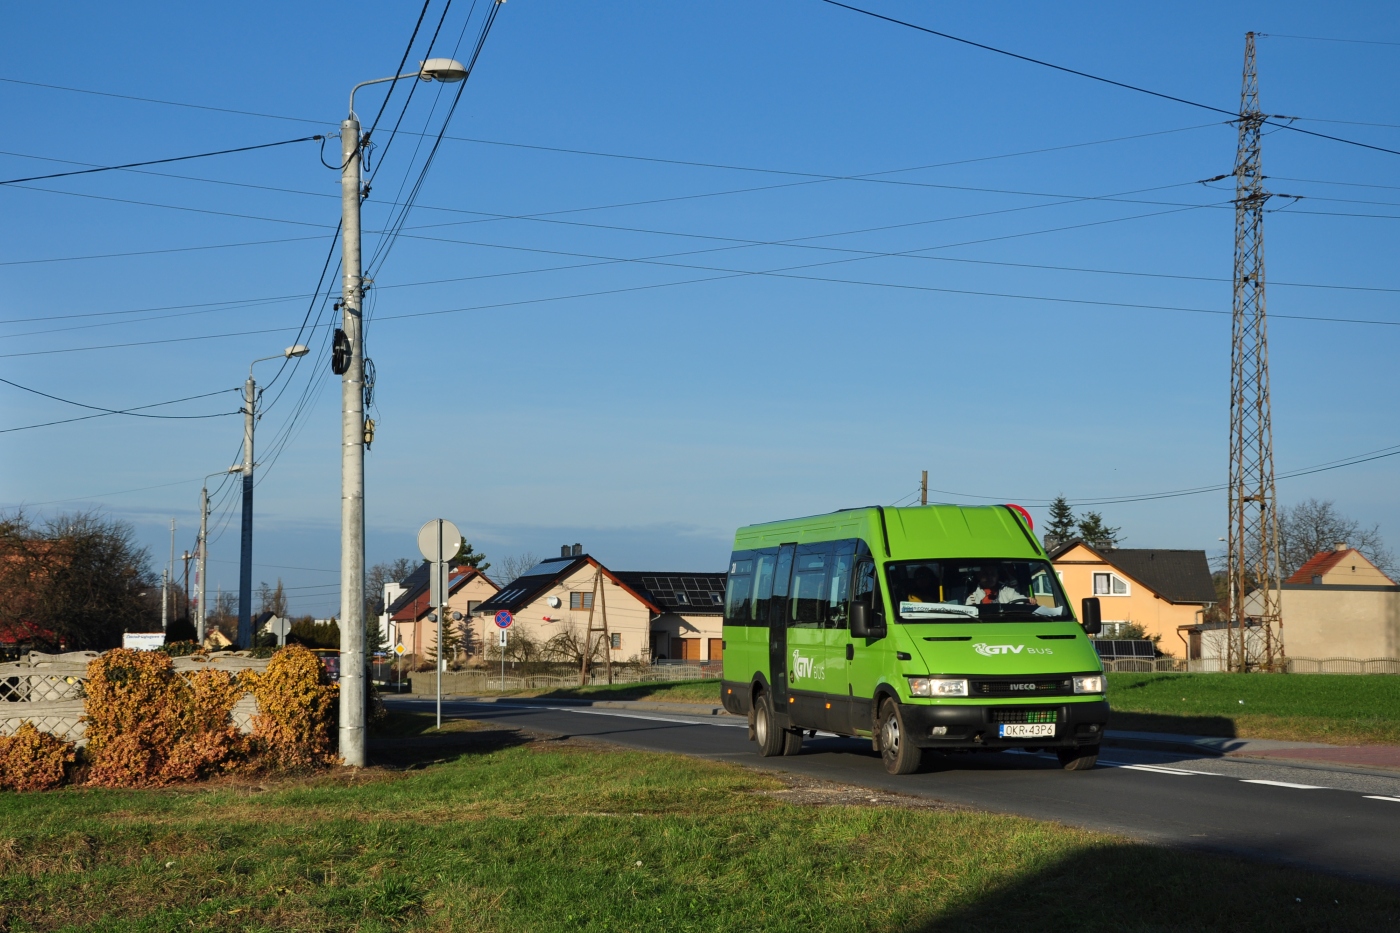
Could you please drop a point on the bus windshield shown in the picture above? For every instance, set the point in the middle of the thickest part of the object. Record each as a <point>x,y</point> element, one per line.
<point>986,590</point>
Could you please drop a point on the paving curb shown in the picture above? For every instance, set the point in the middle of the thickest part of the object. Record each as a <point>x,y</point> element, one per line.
<point>688,709</point>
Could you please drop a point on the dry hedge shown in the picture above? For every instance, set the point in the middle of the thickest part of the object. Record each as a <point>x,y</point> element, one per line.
<point>295,702</point>
<point>33,760</point>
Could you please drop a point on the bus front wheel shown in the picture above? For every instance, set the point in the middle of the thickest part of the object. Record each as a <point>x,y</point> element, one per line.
<point>900,755</point>
<point>772,741</point>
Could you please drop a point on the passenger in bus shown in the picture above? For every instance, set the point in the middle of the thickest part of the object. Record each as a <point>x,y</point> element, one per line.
<point>923,588</point>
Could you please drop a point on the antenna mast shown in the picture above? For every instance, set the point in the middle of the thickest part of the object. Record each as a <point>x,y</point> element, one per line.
<point>1256,629</point>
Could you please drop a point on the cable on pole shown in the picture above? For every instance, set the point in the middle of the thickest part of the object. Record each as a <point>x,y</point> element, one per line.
<point>184,158</point>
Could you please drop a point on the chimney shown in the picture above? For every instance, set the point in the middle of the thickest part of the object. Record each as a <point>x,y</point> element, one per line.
<point>1340,546</point>
<point>578,550</point>
<point>564,551</point>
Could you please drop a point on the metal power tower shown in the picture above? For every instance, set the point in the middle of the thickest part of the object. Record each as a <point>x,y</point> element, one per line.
<point>1256,630</point>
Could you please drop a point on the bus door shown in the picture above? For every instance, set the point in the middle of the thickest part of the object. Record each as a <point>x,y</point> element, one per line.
<point>868,655</point>
<point>777,628</point>
<point>808,670</point>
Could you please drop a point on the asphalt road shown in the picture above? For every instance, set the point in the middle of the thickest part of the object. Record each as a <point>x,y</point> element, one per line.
<point>1337,820</point>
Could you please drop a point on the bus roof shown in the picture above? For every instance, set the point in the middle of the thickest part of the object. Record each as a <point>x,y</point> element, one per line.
<point>909,533</point>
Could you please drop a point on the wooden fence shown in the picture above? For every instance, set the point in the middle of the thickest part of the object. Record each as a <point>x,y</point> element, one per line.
<point>47,690</point>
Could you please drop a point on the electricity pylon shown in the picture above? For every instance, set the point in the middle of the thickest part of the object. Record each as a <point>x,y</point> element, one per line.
<point>1256,629</point>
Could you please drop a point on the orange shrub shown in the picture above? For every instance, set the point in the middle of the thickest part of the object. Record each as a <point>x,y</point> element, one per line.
<point>33,760</point>
<point>147,725</point>
<point>296,701</point>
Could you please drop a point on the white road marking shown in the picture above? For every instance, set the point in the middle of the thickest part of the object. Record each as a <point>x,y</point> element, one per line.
<point>1157,769</point>
<point>1286,784</point>
<point>1375,797</point>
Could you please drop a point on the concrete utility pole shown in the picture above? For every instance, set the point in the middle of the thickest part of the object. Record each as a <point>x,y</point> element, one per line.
<point>167,586</point>
<point>352,455</point>
<point>185,556</point>
<point>201,574</point>
<point>245,553</point>
<point>348,359</point>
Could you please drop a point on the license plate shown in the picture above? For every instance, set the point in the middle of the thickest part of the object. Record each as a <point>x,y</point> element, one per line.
<point>1027,730</point>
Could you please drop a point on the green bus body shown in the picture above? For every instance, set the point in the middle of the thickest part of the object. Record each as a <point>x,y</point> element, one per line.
<point>789,653</point>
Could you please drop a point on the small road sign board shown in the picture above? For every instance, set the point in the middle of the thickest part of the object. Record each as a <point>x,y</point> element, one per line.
<point>439,540</point>
<point>504,619</point>
<point>504,633</point>
<point>399,649</point>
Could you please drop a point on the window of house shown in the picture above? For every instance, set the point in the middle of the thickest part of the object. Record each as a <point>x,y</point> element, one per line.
<point>681,598</point>
<point>616,641</point>
<point>1110,584</point>
<point>581,601</point>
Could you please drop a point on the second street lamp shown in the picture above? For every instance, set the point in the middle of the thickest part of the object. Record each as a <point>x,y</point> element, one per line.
<point>245,559</point>
<point>349,362</point>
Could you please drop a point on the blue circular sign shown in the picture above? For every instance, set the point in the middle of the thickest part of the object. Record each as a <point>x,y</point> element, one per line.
<point>504,619</point>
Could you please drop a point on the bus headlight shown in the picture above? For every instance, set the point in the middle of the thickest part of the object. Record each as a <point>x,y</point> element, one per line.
<point>937,687</point>
<point>1093,683</point>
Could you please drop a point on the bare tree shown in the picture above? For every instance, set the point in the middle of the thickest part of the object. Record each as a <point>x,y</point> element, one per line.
<point>382,574</point>
<point>515,565</point>
<point>272,600</point>
<point>82,579</point>
<point>1311,526</point>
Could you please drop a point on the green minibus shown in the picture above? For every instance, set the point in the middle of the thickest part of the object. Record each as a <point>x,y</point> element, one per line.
<point>933,627</point>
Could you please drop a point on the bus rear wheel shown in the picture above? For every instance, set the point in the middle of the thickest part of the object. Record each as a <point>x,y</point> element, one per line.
<point>772,740</point>
<point>900,755</point>
<point>1079,758</point>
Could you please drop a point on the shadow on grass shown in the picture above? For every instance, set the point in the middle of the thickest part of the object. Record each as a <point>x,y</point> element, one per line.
<point>686,691</point>
<point>410,740</point>
<point>1219,726</point>
<point>1122,886</point>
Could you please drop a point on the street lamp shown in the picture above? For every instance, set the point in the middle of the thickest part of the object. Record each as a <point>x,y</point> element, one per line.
<point>349,363</point>
<point>245,560</point>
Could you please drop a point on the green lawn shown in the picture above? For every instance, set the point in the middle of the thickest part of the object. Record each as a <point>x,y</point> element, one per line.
<point>1339,708</point>
<point>506,833</point>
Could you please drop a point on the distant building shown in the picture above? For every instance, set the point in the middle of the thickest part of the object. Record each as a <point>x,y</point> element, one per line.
<point>1162,590</point>
<point>467,589</point>
<point>651,615</point>
<point>1340,605</point>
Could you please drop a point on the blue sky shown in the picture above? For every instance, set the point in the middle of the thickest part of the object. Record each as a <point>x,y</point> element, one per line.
<point>624,404</point>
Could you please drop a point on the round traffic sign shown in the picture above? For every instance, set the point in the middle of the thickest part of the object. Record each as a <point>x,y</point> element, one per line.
<point>439,539</point>
<point>504,619</point>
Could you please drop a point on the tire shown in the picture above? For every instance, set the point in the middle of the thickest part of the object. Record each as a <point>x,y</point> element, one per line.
<point>772,741</point>
<point>1079,758</point>
<point>792,741</point>
<point>900,755</point>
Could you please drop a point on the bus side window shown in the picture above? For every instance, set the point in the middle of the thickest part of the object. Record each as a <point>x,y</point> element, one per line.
<point>739,589</point>
<point>764,565</point>
<point>867,590</point>
<point>807,602</point>
<point>839,589</point>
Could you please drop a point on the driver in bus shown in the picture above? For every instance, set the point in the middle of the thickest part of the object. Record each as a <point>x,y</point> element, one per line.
<point>990,589</point>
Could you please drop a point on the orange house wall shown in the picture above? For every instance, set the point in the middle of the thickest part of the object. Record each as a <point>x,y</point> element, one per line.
<point>1155,614</point>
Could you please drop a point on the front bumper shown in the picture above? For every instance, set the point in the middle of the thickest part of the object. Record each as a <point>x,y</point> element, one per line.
<point>976,726</point>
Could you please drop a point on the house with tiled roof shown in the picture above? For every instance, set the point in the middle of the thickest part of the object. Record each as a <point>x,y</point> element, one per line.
<point>408,614</point>
<point>1340,605</point>
<point>1161,589</point>
<point>650,615</point>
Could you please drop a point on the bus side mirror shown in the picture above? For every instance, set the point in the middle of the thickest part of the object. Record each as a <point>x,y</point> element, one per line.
<point>1089,616</point>
<point>860,619</point>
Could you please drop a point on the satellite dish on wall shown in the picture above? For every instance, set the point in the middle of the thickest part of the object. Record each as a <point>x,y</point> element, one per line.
<point>554,602</point>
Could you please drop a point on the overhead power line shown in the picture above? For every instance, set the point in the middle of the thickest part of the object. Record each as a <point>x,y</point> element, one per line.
<point>184,158</point>
<point>1102,80</point>
<point>1280,35</point>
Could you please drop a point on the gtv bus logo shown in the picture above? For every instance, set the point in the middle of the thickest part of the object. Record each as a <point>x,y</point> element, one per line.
<point>992,650</point>
<point>806,667</point>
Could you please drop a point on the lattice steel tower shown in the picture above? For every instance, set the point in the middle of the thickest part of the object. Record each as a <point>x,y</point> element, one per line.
<point>1256,630</point>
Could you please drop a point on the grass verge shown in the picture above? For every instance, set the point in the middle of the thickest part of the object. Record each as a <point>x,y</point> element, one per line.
<point>1355,709</point>
<point>543,835</point>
